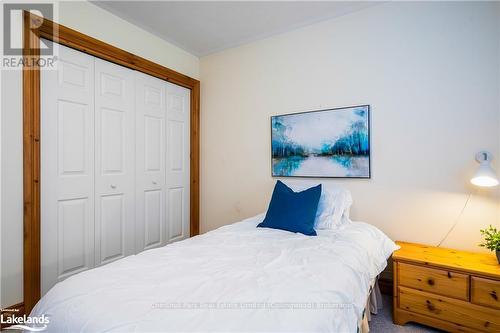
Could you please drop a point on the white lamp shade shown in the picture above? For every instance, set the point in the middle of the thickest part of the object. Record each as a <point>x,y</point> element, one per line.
<point>485,176</point>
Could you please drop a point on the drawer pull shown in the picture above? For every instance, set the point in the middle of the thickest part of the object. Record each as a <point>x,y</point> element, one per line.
<point>449,275</point>
<point>430,282</point>
<point>430,306</point>
<point>493,294</point>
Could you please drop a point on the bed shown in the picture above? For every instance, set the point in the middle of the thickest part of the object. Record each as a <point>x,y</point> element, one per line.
<point>237,278</point>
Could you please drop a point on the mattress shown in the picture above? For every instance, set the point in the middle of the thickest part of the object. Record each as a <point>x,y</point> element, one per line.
<point>237,278</point>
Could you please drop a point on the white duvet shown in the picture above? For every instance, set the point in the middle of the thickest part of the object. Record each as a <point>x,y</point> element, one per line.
<point>237,278</point>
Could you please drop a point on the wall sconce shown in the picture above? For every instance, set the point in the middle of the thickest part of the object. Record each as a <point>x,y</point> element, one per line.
<point>485,176</point>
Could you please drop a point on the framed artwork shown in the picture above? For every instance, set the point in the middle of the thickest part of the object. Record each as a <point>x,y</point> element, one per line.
<point>332,143</point>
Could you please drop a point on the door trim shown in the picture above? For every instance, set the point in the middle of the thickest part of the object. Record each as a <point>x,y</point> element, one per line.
<point>34,28</point>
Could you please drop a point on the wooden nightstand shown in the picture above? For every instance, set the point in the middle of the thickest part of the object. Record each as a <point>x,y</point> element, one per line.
<point>452,290</point>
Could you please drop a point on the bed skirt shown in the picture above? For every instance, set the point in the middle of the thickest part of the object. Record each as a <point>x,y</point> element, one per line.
<point>373,305</point>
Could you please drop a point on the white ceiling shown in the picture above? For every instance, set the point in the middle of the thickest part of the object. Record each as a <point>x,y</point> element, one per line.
<point>204,27</point>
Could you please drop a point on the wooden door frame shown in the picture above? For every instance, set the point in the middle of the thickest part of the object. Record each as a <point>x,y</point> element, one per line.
<point>34,28</point>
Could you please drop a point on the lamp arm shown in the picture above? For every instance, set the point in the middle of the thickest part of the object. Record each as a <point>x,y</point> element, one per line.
<point>456,220</point>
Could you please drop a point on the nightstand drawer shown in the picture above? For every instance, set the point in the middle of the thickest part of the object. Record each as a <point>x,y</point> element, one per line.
<point>450,310</point>
<point>433,280</point>
<point>485,292</point>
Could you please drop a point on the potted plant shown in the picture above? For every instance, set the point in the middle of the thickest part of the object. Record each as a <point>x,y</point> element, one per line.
<point>491,240</point>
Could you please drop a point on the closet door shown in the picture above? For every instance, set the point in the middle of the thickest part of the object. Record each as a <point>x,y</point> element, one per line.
<point>114,162</point>
<point>178,145</point>
<point>150,162</point>
<point>67,167</point>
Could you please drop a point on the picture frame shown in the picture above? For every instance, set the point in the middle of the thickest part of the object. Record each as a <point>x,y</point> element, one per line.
<point>327,143</point>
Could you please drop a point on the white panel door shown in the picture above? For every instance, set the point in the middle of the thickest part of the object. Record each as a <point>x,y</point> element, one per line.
<point>114,162</point>
<point>67,167</point>
<point>150,111</point>
<point>178,150</point>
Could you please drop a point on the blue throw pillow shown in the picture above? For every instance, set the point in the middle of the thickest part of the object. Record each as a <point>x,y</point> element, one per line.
<point>292,211</point>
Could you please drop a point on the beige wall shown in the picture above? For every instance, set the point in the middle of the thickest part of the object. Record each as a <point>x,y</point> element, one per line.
<point>430,73</point>
<point>96,22</point>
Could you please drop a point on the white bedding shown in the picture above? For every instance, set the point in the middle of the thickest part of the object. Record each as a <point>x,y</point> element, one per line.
<point>237,278</point>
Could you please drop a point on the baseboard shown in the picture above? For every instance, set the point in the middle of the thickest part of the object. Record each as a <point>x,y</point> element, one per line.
<point>16,310</point>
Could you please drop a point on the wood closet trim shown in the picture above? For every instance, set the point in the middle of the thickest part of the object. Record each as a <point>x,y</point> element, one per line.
<point>31,130</point>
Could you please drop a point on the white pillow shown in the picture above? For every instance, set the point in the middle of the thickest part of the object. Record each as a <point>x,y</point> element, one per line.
<point>334,204</point>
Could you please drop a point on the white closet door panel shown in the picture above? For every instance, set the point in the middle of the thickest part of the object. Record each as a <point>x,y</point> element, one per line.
<point>150,108</point>
<point>112,228</point>
<point>153,218</point>
<point>153,144</point>
<point>73,237</point>
<point>177,212</point>
<point>178,152</point>
<point>67,167</point>
<point>115,166</point>
<point>112,137</point>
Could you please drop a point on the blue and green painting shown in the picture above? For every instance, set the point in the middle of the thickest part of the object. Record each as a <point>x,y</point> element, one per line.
<point>327,143</point>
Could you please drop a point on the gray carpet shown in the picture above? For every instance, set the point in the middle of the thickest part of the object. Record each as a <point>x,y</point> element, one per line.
<point>382,322</point>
